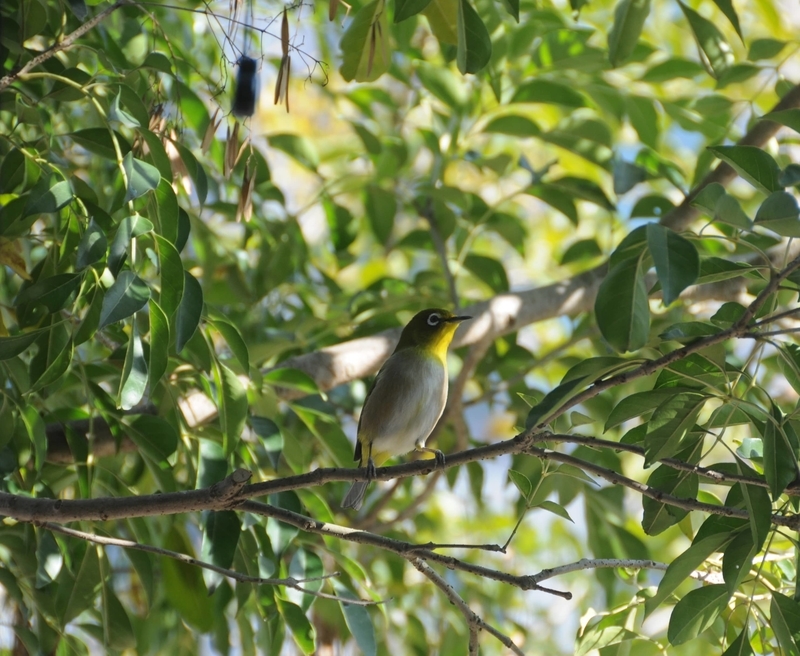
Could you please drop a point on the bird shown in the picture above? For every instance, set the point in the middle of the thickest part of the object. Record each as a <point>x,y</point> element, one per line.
<point>407,397</point>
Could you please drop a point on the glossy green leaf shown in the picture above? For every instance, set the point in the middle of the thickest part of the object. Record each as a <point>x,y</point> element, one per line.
<point>726,7</point>
<point>474,43</point>
<point>195,169</point>
<point>779,212</point>
<point>45,199</point>
<point>522,483</point>
<point>36,429</point>
<point>54,293</point>
<point>554,508</point>
<point>127,295</point>
<point>780,460</point>
<point>301,629</point>
<point>629,18</point>
<point>184,587</point>
<point>293,379</point>
<point>669,423</point>
<point>172,276</point>
<point>728,210</point>
<point>159,343</point>
<point>128,228</point>
<point>740,646</point>
<point>621,307</point>
<point>765,49</point>
<point>676,259</point>
<point>221,531</point>
<point>358,622</point>
<point>153,435</point>
<point>753,164</point>
<point>381,206</point>
<point>168,210</point>
<point>81,595</point>
<point>788,117</point>
<point>270,435</point>
<point>133,382</point>
<point>118,113</point>
<point>784,618</point>
<point>442,16</point>
<point>236,343</point>
<point>489,270</point>
<point>92,247</point>
<point>141,177</point>
<point>365,44</point>
<point>671,69</point>
<point>696,612</point>
<point>657,516</point>
<point>49,559</point>
<point>540,90</point>
<point>53,359</point>
<point>713,46</point>
<point>443,84</point>
<point>404,9</point>
<point>737,559</point>
<point>189,311</point>
<point>232,407</point>
<point>514,125</point>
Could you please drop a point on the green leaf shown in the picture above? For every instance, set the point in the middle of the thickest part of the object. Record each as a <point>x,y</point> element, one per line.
<point>301,629</point>
<point>299,148</point>
<point>557,199</point>
<point>365,46</point>
<point>189,311</point>
<point>474,44</point>
<point>643,116</point>
<point>512,7</point>
<point>98,141</point>
<point>117,113</point>
<point>780,213</point>
<point>168,210</point>
<point>784,618</point>
<point>183,585</point>
<point>671,69</point>
<point>292,379</point>
<point>629,18</point>
<point>82,593</point>
<point>159,343</point>
<point>546,91</point>
<point>46,199</point>
<point>583,249</point>
<point>621,307</point>
<point>753,164</point>
<point>780,460</point>
<point>726,7</point>
<point>153,435</point>
<point>221,531</point>
<point>696,612</point>
<point>658,517</point>
<point>522,484</point>
<point>133,382</point>
<point>514,125</point>
<point>235,342</point>
<point>53,359</point>
<point>271,437</point>
<point>702,547</point>
<point>488,270</point>
<point>728,210</point>
<point>740,646</point>
<point>92,247</point>
<point>765,49</point>
<point>172,278</point>
<point>126,296</point>
<point>737,559</point>
<point>233,407</point>
<point>36,429</point>
<point>358,622</point>
<point>552,401</point>
<point>708,197</point>
<point>669,423</point>
<point>129,227</point>
<point>54,293</point>
<point>195,169</point>
<point>142,177</point>
<point>442,16</point>
<point>788,117</point>
<point>556,509</point>
<point>91,319</point>
<point>715,49</point>
<point>676,259</point>
<point>633,245</point>
<point>49,559</point>
<point>381,206</point>
<point>583,189</point>
<point>404,9</point>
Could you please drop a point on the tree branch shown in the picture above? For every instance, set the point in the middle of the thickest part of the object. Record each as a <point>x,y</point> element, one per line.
<point>65,43</point>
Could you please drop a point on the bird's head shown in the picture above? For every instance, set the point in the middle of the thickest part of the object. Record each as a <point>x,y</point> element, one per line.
<point>431,330</point>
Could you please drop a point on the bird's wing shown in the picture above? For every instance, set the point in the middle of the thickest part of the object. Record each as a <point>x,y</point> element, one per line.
<point>357,453</point>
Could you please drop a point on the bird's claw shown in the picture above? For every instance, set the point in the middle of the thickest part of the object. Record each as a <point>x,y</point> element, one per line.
<point>439,457</point>
<point>372,471</point>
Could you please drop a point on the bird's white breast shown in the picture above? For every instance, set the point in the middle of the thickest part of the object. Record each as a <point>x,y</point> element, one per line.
<point>409,397</point>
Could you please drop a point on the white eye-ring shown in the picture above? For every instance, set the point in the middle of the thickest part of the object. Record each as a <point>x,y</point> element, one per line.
<point>433,319</point>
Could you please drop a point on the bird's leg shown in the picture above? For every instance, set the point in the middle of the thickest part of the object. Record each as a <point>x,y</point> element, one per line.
<point>437,455</point>
<point>371,470</point>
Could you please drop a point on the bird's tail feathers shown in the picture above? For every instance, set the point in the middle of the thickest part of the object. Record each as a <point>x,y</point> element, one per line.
<point>355,495</point>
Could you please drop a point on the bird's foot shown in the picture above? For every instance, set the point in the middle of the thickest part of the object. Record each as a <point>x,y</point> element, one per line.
<point>372,472</point>
<point>439,457</point>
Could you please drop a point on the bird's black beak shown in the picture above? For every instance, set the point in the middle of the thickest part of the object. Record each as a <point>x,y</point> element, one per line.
<point>457,319</point>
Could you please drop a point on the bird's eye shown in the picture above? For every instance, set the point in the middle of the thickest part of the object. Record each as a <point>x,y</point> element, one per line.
<point>433,319</point>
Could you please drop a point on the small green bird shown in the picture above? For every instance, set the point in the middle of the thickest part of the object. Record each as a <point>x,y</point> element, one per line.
<point>407,397</point>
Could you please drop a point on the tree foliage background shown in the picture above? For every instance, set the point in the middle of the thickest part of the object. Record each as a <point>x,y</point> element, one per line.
<point>185,296</point>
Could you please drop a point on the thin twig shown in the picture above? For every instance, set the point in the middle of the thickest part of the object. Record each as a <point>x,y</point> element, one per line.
<point>62,45</point>
<point>429,215</point>
<point>289,582</point>
<point>399,547</point>
<point>474,622</point>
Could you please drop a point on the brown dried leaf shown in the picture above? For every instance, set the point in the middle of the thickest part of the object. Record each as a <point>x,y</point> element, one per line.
<point>211,130</point>
<point>11,256</point>
<point>285,34</point>
<point>244,209</point>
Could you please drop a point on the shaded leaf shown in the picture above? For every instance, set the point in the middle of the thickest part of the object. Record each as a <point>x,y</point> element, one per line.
<point>126,296</point>
<point>621,307</point>
<point>676,259</point>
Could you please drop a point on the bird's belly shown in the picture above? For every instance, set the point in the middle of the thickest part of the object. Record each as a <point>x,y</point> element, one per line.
<point>415,411</point>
